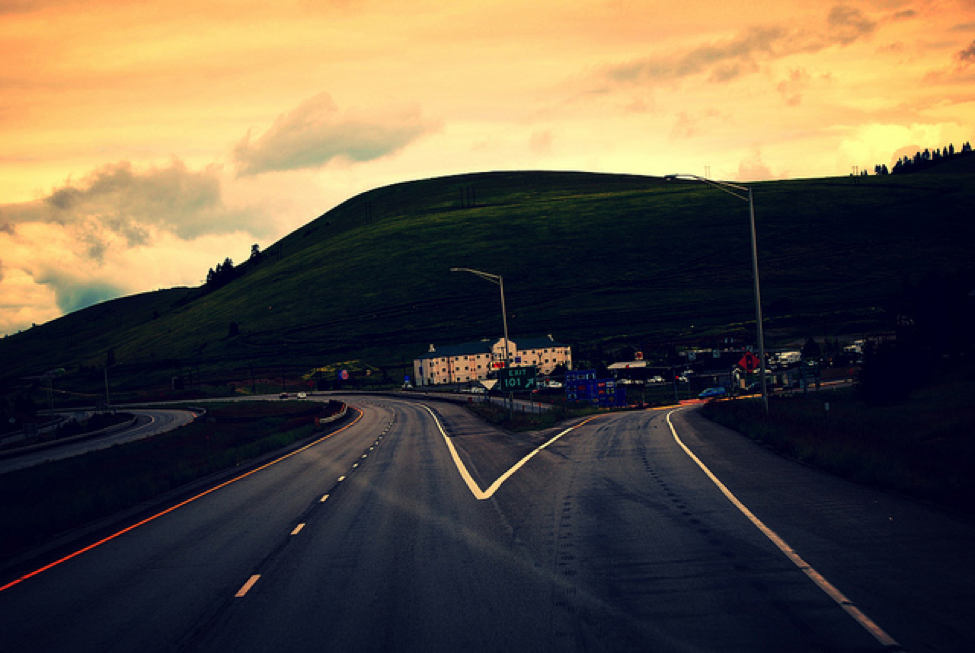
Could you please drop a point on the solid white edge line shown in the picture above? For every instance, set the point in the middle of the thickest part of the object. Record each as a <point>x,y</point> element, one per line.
<point>247,586</point>
<point>868,624</point>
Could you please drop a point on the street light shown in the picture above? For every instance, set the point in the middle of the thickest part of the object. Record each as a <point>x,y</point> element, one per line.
<point>494,278</point>
<point>743,193</point>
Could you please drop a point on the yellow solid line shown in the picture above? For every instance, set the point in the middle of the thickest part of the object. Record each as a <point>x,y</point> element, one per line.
<point>247,586</point>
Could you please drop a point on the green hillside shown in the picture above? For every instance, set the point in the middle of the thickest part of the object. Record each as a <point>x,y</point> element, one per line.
<point>589,258</point>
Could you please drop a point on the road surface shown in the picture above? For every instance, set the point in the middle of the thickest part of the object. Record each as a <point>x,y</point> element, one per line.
<point>610,538</point>
<point>149,422</point>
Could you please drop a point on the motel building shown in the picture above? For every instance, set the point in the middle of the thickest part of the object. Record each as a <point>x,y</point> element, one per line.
<point>473,361</point>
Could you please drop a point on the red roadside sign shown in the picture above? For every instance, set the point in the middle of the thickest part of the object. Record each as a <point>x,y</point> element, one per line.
<point>749,361</point>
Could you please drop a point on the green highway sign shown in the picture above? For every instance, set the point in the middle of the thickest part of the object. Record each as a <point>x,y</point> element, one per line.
<point>810,370</point>
<point>517,379</point>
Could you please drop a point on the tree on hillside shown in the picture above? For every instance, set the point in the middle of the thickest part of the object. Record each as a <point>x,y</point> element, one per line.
<point>924,159</point>
<point>224,273</point>
<point>811,350</point>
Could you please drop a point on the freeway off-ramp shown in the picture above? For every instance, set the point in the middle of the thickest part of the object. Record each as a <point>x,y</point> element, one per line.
<point>610,538</point>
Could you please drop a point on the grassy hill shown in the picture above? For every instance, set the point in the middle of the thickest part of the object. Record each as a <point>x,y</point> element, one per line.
<point>589,258</point>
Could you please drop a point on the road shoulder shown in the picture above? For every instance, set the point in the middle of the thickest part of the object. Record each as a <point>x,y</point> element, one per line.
<point>906,563</point>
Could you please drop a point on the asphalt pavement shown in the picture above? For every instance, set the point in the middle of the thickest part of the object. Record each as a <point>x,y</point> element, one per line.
<point>419,528</point>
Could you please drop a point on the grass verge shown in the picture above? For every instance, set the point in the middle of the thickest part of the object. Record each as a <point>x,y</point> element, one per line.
<point>923,448</point>
<point>500,416</point>
<point>38,503</point>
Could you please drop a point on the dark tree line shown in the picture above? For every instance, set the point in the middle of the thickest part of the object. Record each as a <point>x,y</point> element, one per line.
<point>923,160</point>
<point>225,272</point>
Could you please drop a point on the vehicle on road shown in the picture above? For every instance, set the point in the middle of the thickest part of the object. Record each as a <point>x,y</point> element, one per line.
<point>712,393</point>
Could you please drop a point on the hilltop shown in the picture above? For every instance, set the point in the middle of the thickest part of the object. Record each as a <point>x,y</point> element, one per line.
<point>596,259</point>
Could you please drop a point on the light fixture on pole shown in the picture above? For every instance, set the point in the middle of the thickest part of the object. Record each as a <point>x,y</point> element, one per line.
<point>743,193</point>
<point>499,280</point>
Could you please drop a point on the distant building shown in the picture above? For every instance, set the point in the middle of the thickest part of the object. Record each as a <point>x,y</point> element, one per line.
<point>473,361</point>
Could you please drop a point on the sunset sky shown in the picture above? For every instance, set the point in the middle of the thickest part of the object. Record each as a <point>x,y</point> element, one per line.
<point>145,141</point>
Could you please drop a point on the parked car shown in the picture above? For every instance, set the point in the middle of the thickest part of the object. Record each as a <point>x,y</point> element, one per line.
<point>712,393</point>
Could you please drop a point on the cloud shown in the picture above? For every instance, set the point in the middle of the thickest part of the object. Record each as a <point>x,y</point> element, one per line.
<point>959,68</point>
<point>848,24</point>
<point>118,230</point>
<point>317,132</point>
<point>117,203</point>
<point>724,61</point>
<point>792,87</point>
<point>753,168</point>
<point>966,56</point>
<point>73,293</point>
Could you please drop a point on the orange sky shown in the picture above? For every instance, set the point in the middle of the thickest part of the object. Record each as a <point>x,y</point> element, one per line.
<point>146,141</point>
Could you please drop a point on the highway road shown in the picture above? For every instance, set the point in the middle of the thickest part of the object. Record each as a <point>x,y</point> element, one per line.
<point>619,534</point>
<point>149,422</point>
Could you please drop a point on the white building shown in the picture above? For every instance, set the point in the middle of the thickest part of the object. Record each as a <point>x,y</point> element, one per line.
<point>472,361</point>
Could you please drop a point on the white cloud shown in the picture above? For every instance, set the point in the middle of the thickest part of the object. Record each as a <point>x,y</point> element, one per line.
<point>317,132</point>
<point>118,231</point>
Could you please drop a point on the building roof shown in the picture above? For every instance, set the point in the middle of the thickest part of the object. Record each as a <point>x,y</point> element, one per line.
<point>627,365</point>
<point>484,347</point>
<point>537,343</point>
<point>463,349</point>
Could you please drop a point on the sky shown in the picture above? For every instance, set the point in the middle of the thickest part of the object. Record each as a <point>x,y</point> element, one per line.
<point>143,142</point>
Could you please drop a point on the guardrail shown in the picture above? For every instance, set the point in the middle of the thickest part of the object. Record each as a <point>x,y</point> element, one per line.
<point>17,451</point>
<point>333,418</point>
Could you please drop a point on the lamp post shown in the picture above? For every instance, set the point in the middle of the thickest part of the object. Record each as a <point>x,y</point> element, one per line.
<point>494,278</point>
<point>743,193</point>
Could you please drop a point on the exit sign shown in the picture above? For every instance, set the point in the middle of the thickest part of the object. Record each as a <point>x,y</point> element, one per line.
<point>517,379</point>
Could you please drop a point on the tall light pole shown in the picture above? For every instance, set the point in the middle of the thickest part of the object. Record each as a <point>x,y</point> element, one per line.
<point>743,193</point>
<point>494,278</point>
